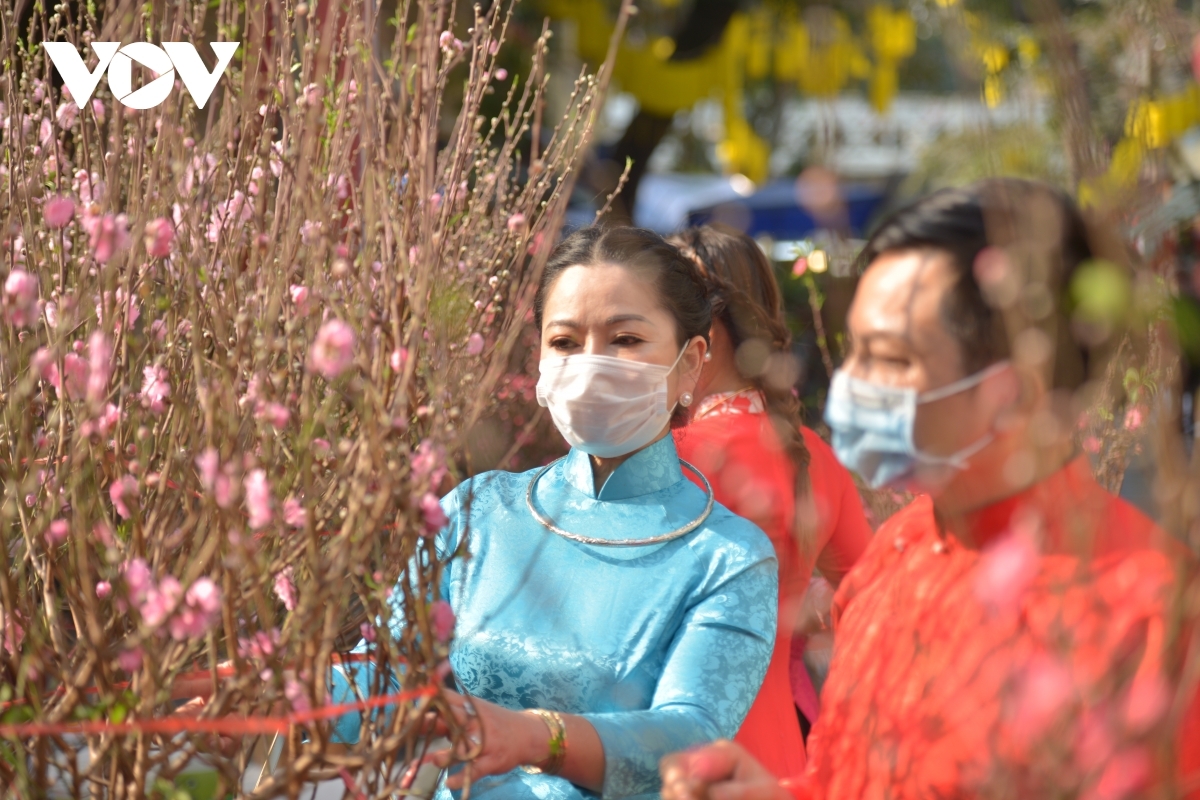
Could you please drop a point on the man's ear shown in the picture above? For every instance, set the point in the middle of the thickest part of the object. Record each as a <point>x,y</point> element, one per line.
<point>1017,392</point>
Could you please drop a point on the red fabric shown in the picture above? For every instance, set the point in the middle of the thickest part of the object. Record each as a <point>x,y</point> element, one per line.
<point>1020,665</point>
<point>740,453</point>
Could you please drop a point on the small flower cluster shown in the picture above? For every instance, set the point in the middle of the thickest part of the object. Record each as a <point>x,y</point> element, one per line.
<point>164,607</point>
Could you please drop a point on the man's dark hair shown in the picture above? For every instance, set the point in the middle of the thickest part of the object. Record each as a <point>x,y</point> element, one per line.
<point>1034,223</point>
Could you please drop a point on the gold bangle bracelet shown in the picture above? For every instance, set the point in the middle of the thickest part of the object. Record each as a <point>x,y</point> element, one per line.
<point>558,743</point>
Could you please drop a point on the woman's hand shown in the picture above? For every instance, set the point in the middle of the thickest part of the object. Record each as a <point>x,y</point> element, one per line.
<point>718,771</point>
<point>497,740</point>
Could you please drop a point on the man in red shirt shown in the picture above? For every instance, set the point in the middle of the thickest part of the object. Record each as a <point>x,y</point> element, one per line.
<point>1013,632</point>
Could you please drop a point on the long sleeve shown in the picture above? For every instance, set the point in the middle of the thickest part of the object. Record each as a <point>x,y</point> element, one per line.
<point>845,533</point>
<point>713,670</point>
<point>352,681</point>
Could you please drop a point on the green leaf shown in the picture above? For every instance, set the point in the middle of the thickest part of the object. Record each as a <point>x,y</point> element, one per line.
<point>412,33</point>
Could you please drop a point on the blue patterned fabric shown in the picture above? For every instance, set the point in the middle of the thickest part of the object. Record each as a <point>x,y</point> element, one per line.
<point>660,647</point>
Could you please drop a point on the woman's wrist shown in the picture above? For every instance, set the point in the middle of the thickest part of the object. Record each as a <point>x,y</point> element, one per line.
<point>555,745</point>
<point>537,739</point>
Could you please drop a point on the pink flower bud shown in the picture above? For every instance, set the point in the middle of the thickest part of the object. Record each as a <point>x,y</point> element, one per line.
<point>56,534</point>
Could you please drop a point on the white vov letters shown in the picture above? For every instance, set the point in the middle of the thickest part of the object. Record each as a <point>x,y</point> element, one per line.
<point>163,61</point>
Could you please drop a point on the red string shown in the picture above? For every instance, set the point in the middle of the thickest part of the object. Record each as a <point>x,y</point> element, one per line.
<point>229,726</point>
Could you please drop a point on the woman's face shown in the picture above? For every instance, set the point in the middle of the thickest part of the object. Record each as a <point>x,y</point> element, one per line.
<point>610,310</point>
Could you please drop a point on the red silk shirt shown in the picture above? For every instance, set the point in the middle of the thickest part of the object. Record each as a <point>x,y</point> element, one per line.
<point>733,442</point>
<point>1011,666</point>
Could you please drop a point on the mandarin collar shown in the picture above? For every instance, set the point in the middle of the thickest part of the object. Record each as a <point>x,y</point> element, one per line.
<point>1065,491</point>
<point>649,470</point>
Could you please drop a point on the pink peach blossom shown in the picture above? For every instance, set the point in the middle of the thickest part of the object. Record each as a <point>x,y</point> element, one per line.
<point>398,359</point>
<point>294,513</point>
<point>516,222</point>
<point>77,376</point>
<point>300,295</point>
<point>1006,568</point>
<point>14,634</point>
<point>100,366</point>
<point>1134,417</point>
<point>158,236</point>
<point>333,351</point>
<point>130,660</point>
<point>155,388</point>
<point>474,344</point>
<point>293,690</point>
<point>108,234</point>
<point>66,115</point>
<point>441,616</point>
<point>1045,688</point>
<point>229,215</point>
<point>21,297</point>
<point>103,589</point>
<point>258,499</point>
<point>120,491</point>
<point>58,211</point>
<point>201,609</point>
<point>207,463</point>
<point>285,590</point>
<point>431,510</point>
<point>274,413</point>
<point>138,580</point>
<point>429,463</point>
<point>160,602</point>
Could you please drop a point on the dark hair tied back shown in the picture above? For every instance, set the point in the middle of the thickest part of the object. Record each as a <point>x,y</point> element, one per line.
<point>747,301</point>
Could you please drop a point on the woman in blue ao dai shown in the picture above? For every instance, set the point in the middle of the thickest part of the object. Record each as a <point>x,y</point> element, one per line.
<point>606,588</point>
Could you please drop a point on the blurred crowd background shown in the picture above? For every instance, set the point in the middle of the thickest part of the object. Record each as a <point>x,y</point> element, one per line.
<point>803,124</point>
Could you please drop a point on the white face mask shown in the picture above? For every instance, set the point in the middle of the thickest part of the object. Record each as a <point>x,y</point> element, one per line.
<point>605,406</point>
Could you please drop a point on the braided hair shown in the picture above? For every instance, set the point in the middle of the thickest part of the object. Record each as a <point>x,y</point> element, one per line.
<point>746,300</point>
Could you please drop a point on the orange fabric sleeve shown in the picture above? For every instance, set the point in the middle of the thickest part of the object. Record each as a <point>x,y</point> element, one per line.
<point>845,532</point>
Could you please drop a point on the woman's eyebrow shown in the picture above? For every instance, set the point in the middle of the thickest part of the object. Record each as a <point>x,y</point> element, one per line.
<point>563,323</point>
<point>625,318</point>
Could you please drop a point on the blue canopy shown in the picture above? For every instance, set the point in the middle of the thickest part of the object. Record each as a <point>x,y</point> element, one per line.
<point>776,210</point>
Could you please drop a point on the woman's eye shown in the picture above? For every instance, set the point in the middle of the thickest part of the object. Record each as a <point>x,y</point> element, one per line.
<point>561,344</point>
<point>626,341</point>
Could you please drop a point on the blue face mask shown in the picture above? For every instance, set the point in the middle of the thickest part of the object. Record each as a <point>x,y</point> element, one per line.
<point>873,425</point>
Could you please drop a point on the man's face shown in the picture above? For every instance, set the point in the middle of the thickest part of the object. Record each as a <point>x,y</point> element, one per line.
<point>898,338</point>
